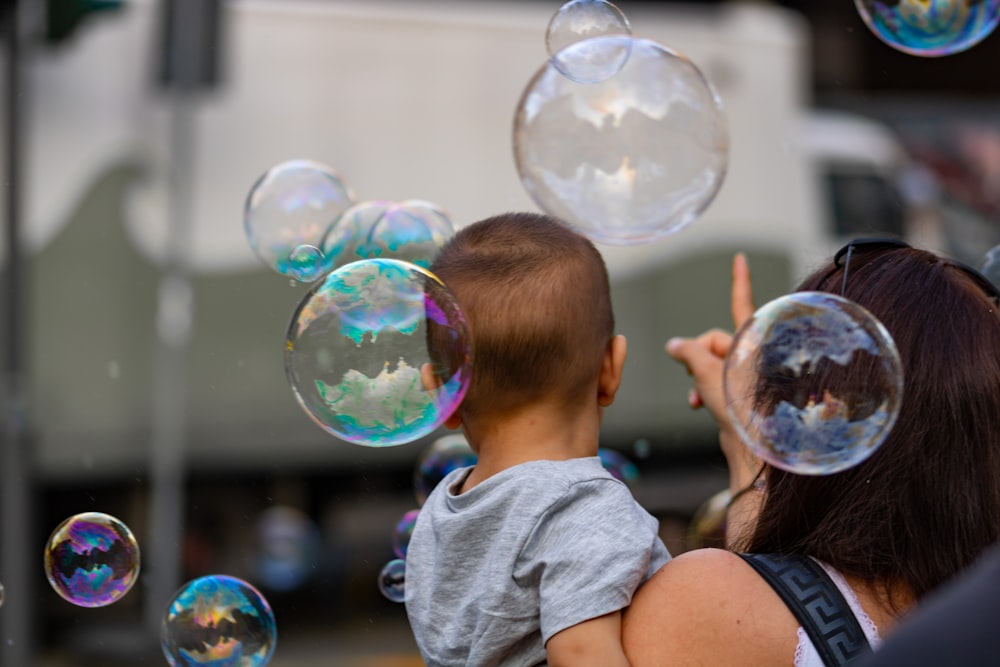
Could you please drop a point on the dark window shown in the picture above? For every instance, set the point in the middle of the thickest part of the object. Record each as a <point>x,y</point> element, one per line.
<point>864,203</point>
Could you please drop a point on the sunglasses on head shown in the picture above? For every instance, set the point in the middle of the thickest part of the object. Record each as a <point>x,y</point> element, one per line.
<point>874,244</point>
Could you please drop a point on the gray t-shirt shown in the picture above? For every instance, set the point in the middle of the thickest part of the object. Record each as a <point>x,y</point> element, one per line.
<point>493,573</point>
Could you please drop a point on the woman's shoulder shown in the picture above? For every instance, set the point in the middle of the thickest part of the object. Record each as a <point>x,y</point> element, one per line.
<point>708,607</point>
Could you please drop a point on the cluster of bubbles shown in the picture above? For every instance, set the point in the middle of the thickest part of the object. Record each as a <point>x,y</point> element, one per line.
<point>930,27</point>
<point>220,621</point>
<point>92,560</point>
<point>303,221</point>
<point>623,138</point>
<point>445,454</point>
<point>378,352</point>
<point>813,383</point>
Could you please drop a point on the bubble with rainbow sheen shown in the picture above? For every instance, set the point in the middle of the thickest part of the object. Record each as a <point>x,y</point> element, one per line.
<point>579,20</point>
<point>403,531</point>
<point>378,352</point>
<point>92,559</point>
<point>630,159</point>
<point>813,383</point>
<point>288,214</point>
<point>930,27</point>
<point>412,230</point>
<point>392,580</point>
<point>218,621</point>
<point>619,465</point>
<point>439,458</point>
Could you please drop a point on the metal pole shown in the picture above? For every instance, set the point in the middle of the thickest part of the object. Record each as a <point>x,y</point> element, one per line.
<point>169,414</point>
<point>16,573</point>
<point>189,31</point>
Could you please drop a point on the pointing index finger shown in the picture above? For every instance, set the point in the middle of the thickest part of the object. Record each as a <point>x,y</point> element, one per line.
<point>742,304</point>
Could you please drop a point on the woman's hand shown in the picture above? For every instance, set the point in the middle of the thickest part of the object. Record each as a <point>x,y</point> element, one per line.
<point>704,357</point>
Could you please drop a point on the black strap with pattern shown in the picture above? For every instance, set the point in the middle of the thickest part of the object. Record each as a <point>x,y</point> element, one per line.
<point>817,603</point>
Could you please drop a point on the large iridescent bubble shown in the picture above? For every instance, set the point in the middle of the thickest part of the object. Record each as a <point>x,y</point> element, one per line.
<point>92,559</point>
<point>579,20</point>
<point>392,580</point>
<point>930,27</point>
<point>627,160</point>
<point>218,621</point>
<point>445,454</point>
<point>378,352</point>
<point>813,383</point>
<point>288,213</point>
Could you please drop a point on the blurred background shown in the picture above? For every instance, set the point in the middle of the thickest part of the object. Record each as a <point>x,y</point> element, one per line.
<point>143,342</point>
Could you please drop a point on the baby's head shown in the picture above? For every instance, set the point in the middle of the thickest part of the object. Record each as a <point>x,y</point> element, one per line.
<point>537,300</point>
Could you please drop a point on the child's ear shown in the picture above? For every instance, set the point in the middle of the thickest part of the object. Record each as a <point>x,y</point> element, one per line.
<point>611,371</point>
<point>454,421</point>
<point>432,382</point>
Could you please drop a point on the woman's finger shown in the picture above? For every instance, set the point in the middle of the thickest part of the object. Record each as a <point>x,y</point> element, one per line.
<point>742,305</point>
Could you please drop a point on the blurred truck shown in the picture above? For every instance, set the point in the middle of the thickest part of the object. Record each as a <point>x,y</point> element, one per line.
<point>405,100</point>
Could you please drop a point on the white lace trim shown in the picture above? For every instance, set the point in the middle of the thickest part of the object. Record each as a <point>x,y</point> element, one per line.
<point>805,653</point>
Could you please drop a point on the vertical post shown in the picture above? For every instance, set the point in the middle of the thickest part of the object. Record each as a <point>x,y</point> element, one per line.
<point>187,65</point>
<point>16,545</point>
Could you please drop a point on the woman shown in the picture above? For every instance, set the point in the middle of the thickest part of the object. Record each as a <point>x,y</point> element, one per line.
<point>907,519</point>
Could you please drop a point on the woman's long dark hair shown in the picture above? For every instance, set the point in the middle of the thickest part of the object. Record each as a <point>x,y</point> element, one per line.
<point>926,504</point>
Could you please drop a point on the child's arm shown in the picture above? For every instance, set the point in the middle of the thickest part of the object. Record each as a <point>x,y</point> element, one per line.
<point>595,642</point>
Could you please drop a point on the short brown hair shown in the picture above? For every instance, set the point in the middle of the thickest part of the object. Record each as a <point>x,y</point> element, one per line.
<point>537,300</point>
<point>926,504</point>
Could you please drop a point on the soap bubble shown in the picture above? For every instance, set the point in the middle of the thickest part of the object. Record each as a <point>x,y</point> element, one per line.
<point>620,467</point>
<point>344,241</point>
<point>642,448</point>
<point>392,580</point>
<point>930,27</point>
<point>445,454</point>
<point>581,20</point>
<point>411,230</point>
<point>403,532</point>
<point>630,159</point>
<point>813,383</point>
<point>990,266</point>
<point>287,215</point>
<point>288,545</point>
<point>364,344</point>
<point>92,559</point>
<point>219,621</point>
<point>707,527</point>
